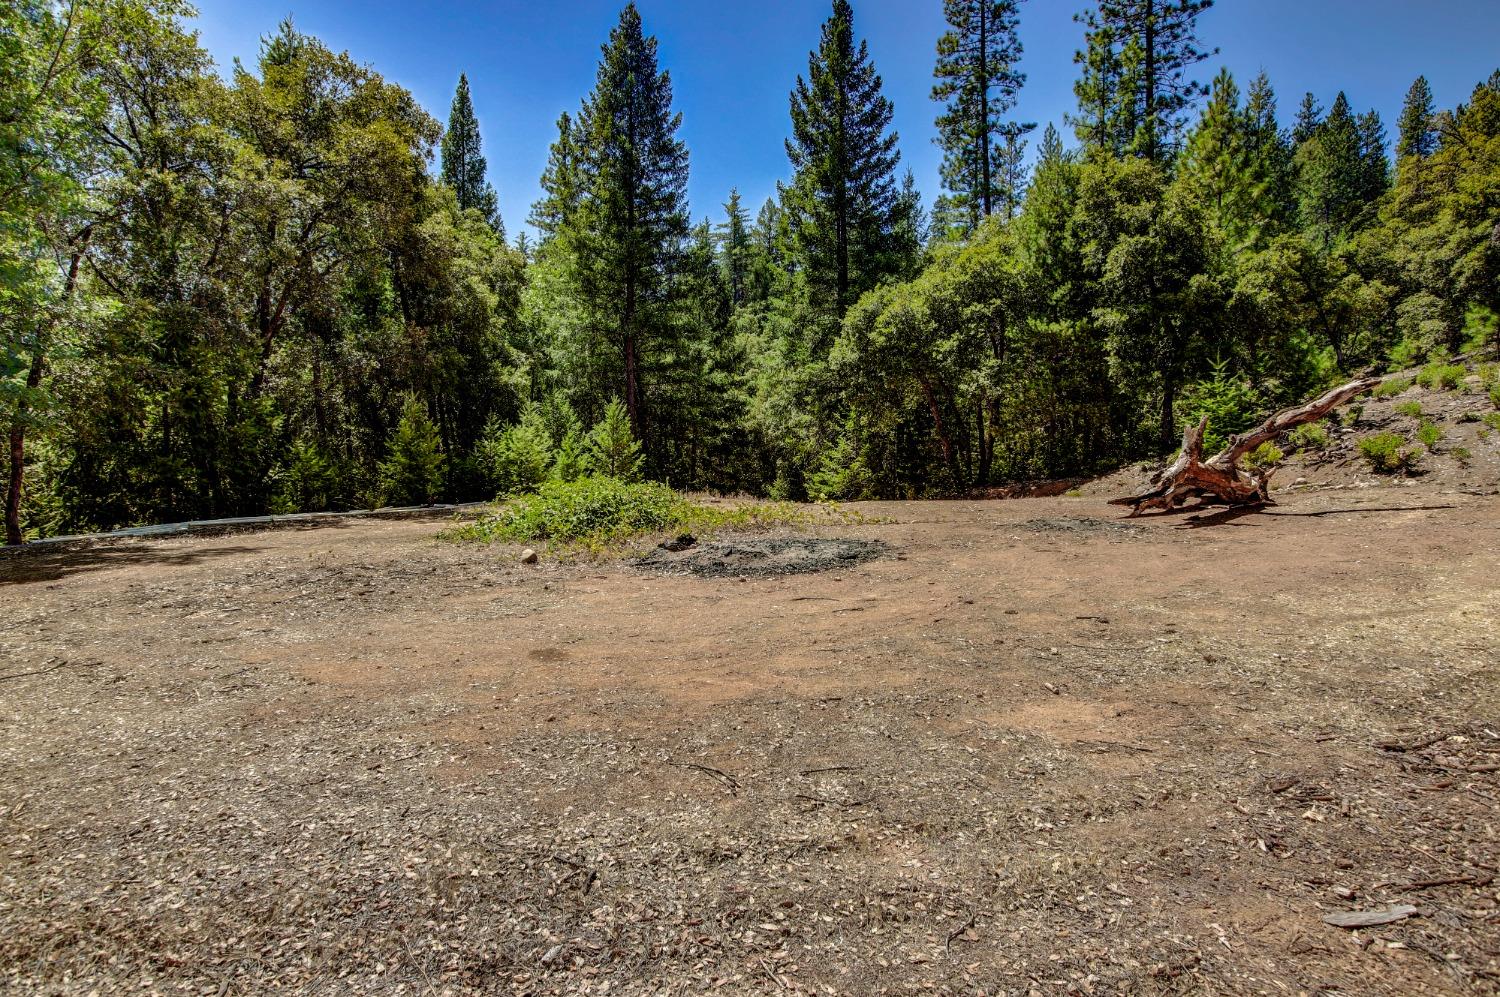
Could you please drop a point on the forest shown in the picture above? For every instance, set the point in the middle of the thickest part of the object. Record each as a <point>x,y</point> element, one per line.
<point>288,287</point>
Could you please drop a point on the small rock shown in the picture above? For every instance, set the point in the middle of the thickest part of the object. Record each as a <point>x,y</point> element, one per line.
<point>528,556</point>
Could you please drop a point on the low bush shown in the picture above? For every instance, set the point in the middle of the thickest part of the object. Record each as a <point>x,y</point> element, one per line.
<point>1412,410</point>
<point>595,513</point>
<point>1462,455</point>
<point>1388,453</point>
<point>1265,456</point>
<point>1444,376</point>
<point>1429,434</point>
<point>1495,396</point>
<point>1492,420</point>
<point>1308,436</point>
<point>1389,389</point>
<point>1351,415</point>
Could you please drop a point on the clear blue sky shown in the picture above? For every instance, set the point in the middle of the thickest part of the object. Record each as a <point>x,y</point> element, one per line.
<point>732,65</point>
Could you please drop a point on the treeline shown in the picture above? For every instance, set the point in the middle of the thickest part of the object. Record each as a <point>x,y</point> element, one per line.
<point>258,293</point>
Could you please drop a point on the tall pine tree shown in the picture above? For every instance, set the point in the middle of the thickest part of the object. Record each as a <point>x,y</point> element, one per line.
<point>1135,89</point>
<point>630,227</point>
<point>562,182</point>
<point>463,165</point>
<point>843,196</point>
<point>978,83</point>
<point>1417,137</point>
<point>734,250</point>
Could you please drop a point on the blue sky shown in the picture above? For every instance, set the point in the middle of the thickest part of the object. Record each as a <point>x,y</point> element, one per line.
<point>732,65</point>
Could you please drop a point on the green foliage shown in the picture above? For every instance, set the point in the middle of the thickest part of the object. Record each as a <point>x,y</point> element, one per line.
<point>518,458</point>
<point>978,83</point>
<point>1441,376</point>
<point>1265,456</point>
<point>1228,401</point>
<point>843,193</point>
<point>463,165</point>
<point>1412,410</point>
<point>1391,388</point>
<point>1309,436</point>
<point>1495,396</point>
<point>412,473</point>
<point>1492,420</point>
<point>1489,376</point>
<point>1462,455</point>
<point>612,449</point>
<point>598,512</point>
<point>1429,434</point>
<point>1388,453</point>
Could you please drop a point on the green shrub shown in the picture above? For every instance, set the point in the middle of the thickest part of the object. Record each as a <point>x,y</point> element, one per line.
<point>1228,400</point>
<point>569,463</point>
<point>1495,396</point>
<point>612,450</point>
<point>412,473</point>
<point>1445,376</point>
<point>1388,453</point>
<point>1308,436</point>
<point>1265,456</point>
<point>1351,415</point>
<point>1429,434</point>
<point>1492,420</point>
<point>1389,389</point>
<point>1489,376</point>
<point>597,512</point>
<point>1412,410</point>
<point>516,459</point>
<point>1462,455</point>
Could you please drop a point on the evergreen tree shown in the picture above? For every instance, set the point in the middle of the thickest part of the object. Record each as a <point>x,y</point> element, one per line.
<point>1309,119</point>
<point>1375,167</point>
<point>1270,155</point>
<point>734,252</point>
<point>1417,137</point>
<point>843,196</point>
<point>612,449</point>
<point>412,474</point>
<point>978,83</point>
<point>1135,88</point>
<point>562,182</point>
<point>631,223</point>
<point>1333,175</point>
<point>463,165</point>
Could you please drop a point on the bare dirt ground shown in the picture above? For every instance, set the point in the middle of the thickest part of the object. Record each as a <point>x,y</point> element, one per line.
<point>1033,748</point>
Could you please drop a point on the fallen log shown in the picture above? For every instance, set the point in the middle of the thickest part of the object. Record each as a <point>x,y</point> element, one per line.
<point>1220,478</point>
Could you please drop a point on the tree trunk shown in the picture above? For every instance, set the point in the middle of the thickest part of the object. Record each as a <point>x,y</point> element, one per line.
<point>1220,478</point>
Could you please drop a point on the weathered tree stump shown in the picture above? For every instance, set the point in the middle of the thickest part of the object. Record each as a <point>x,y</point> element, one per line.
<point>1220,478</point>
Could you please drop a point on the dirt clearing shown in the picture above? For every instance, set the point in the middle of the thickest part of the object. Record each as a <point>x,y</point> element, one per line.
<point>1028,748</point>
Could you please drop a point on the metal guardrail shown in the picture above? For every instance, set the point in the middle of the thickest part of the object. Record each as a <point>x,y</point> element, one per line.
<point>207,526</point>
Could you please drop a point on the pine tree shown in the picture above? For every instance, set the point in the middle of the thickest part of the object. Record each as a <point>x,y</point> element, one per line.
<point>630,226</point>
<point>562,182</point>
<point>1270,160</point>
<point>1417,135</point>
<point>1012,165</point>
<point>1216,159</point>
<point>843,196</point>
<point>463,165</point>
<point>1375,168</point>
<point>978,83</point>
<point>1135,89</point>
<point>612,449</point>
<point>1101,123</point>
<point>734,253</point>
<point>1309,119</point>
<point>1333,175</point>
<point>412,474</point>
